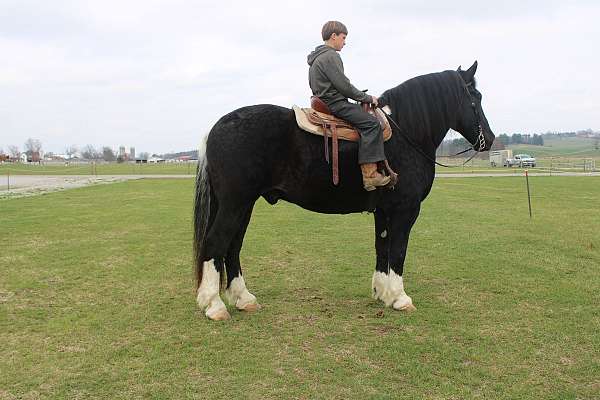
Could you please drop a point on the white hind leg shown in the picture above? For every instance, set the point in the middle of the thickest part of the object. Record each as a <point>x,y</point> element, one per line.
<point>208,298</point>
<point>238,295</point>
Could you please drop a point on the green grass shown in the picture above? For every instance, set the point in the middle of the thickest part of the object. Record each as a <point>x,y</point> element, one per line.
<point>569,148</point>
<point>96,299</point>
<point>98,169</point>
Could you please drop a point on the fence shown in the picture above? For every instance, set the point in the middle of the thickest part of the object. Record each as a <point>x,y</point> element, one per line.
<point>548,165</point>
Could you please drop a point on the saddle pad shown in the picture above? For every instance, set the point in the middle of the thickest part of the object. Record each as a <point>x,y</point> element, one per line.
<point>344,130</point>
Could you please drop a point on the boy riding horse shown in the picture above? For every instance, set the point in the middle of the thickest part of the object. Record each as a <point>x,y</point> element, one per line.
<point>328,82</point>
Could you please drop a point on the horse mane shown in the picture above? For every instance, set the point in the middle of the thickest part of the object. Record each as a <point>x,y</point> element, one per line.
<point>427,104</point>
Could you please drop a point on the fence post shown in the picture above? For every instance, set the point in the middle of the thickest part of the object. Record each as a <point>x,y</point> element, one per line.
<point>528,193</point>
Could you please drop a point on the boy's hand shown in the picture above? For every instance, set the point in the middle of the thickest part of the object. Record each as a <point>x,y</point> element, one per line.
<point>374,101</point>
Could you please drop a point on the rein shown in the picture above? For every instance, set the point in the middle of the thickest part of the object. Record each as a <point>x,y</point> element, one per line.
<point>417,148</point>
<point>480,138</point>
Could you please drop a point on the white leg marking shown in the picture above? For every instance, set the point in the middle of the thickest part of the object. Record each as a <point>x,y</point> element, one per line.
<point>389,288</point>
<point>238,295</point>
<point>384,234</point>
<point>208,293</point>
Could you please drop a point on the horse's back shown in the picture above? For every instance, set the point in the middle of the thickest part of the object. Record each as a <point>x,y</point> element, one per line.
<point>249,122</point>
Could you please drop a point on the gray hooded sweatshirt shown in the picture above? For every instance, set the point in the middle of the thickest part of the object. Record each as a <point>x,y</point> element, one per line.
<point>326,77</point>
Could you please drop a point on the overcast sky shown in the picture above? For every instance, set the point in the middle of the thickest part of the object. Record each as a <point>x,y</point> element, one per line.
<point>157,74</point>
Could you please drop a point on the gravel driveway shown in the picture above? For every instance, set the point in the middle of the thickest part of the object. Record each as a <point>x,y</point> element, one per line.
<point>28,185</point>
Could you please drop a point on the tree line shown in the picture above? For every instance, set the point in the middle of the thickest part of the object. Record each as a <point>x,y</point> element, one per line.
<point>33,150</point>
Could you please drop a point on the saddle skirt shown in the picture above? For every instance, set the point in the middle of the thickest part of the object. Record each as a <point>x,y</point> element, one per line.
<point>319,123</point>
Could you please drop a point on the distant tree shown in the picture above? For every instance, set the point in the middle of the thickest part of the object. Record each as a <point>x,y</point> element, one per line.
<point>587,132</point>
<point>14,151</point>
<point>144,155</point>
<point>108,154</point>
<point>504,139</point>
<point>597,143</point>
<point>70,151</point>
<point>537,140</point>
<point>460,142</point>
<point>450,147</point>
<point>516,138</point>
<point>33,146</point>
<point>89,152</point>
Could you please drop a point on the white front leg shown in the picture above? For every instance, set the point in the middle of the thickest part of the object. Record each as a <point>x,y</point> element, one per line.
<point>389,288</point>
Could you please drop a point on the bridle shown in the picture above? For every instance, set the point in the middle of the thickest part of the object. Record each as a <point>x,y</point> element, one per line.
<point>480,141</point>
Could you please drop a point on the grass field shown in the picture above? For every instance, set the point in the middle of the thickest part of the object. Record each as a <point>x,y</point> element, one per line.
<point>98,169</point>
<point>569,148</point>
<point>97,302</point>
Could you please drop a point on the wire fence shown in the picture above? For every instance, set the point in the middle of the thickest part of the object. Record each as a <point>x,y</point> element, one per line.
<point>543,165</point>
<point>551,165</point>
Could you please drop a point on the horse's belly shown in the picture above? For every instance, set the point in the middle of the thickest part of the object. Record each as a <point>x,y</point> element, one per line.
<point>327,201</point>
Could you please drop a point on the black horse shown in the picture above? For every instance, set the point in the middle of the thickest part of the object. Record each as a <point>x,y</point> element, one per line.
<point>260,151</point>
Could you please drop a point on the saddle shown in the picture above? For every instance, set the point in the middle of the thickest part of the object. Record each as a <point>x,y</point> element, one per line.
<point>319,120</point>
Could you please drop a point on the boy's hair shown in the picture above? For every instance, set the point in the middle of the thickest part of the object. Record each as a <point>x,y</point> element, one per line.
<point>332,27</point>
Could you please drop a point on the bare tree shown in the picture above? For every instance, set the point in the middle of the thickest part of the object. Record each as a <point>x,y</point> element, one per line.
<point>70,151</point>
<point>33,146</point>
<point>108,154</point>
<point>89,152</point>
<point>14,151</point>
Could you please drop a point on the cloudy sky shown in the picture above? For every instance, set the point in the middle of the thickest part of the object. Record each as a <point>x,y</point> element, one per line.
<point>156,74</point>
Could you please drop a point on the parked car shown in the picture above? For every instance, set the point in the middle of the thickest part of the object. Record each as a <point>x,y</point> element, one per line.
<point>521,160</point>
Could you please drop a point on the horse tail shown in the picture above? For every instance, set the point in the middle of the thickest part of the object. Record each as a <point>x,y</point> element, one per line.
<point>202,211</point>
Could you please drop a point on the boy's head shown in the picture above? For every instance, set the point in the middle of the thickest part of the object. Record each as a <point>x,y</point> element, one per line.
<point>334,34</point>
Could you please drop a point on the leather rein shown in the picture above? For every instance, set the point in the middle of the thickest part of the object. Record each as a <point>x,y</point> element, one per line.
<point>478,129</point>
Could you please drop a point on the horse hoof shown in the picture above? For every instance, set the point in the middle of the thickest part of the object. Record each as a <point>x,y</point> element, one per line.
<point>404,304</point>
<point>408,308</point>
<point>220,315</point>
<point>251,307</point>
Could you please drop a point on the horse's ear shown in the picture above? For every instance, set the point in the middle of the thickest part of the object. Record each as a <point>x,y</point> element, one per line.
<point>470,73</point>
<point>459,69</point>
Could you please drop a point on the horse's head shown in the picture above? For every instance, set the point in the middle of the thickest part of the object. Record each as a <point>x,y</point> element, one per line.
<point>471,121</point>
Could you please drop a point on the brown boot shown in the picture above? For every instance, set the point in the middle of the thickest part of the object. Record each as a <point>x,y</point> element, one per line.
<point>371,178</point>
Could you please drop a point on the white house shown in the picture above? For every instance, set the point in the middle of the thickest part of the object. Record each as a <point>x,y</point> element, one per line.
<point>155,160</point>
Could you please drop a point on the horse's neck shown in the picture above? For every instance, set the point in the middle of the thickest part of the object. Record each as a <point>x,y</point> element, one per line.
<point>436,123</point>
<point>430,135</point>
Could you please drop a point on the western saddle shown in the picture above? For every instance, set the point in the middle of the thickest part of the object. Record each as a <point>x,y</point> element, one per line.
<point>319,120</point>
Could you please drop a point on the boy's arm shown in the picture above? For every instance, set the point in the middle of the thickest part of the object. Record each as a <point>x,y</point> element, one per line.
<point>334,71</point>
